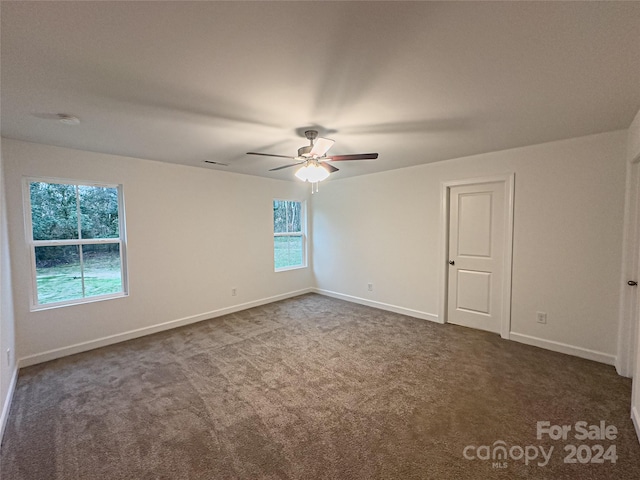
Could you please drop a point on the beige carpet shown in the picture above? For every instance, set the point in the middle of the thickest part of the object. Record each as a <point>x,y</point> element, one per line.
<point>312,388</point>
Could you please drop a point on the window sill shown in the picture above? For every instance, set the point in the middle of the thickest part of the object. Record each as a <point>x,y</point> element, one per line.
<point>286,269</point>
<point>71,303</point>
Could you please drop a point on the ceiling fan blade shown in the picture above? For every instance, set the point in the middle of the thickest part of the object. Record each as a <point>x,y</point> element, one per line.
<point>329,167</point>
<point>321,146</point>
<point>269,155</point>
<point>355,156</point>
<point>286,166</point>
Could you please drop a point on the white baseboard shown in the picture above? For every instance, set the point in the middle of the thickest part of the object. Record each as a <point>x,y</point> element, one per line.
<point>4,416</point>
<point>518,337</point>
<point>121,337</point>
<point>141,332</point>
<point>564,348</point>
<point>635,417</point>
<point>382,306</point>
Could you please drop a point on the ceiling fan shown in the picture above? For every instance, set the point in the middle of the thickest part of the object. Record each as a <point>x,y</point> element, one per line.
<point>314,157</point>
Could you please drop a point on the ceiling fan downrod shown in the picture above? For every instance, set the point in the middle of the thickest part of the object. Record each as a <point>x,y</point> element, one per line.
<point>311,135</point>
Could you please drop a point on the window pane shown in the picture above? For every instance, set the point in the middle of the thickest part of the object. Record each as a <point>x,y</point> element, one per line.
<point>279,216</point>
<point>58,274</point>
<point>99,211</point>
<point>102,274</point>
<point>287,216</point>
<point>293,216</point>
<point>288,252</point>
<point>54,211</point>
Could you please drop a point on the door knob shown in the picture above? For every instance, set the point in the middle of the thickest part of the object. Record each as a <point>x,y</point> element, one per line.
<point>451,262</point>
<point>631,283</point>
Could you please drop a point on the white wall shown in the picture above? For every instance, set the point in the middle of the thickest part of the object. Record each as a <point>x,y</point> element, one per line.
<point>193,234</point>
<point>569,201</point>
<point>8,367</point>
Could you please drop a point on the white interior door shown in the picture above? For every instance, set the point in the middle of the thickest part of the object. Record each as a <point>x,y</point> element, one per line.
<point>476,255</point>
<point>630,310</point>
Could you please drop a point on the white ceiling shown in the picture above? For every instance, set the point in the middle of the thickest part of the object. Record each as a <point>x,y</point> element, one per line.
<point>417,82</point>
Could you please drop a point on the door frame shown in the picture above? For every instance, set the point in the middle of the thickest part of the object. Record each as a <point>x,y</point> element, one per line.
<point>508,181</point>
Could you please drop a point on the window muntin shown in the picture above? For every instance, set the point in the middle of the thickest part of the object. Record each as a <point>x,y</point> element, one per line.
<point>289,239</point>
<point>75,234</point>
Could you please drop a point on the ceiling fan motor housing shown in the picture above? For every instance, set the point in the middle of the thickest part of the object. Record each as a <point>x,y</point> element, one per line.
<point>304,151</point>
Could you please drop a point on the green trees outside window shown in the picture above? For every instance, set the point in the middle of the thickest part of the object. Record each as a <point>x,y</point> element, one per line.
<point>76,241</point>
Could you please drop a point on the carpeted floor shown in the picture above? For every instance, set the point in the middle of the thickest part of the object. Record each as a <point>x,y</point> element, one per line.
<point>315,388</point>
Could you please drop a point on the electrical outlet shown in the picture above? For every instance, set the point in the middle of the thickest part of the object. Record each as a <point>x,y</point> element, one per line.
<point>234,291</point>
<point>370,287</point>
<point>541,317</point>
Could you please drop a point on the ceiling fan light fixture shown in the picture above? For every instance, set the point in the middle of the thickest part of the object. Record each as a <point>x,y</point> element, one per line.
<point>312,172</point>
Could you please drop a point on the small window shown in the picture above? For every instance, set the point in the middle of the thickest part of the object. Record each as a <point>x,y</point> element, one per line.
<point>77,242</point>
<point>289,239</point>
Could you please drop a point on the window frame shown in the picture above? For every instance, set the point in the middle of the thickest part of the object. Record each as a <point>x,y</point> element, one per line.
<point>302,234</point>
<point>121,241</point>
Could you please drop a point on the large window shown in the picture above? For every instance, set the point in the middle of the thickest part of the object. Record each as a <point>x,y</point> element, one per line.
<point>289,241</point>
<point>76,236</point>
